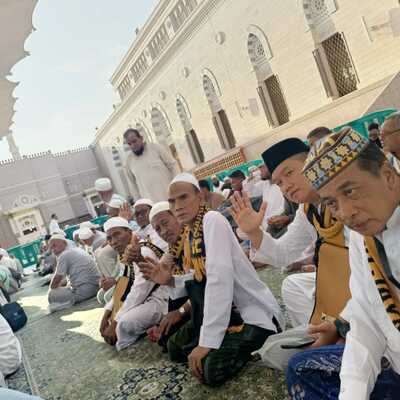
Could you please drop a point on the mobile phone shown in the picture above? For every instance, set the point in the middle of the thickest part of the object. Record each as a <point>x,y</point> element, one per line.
<point>298,343</point>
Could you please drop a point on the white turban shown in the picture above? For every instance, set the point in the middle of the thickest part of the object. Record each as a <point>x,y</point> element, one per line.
<point>85,233</point>
<point>157,208</point>
<point>102,185</point>
<point>88,224</point>
<point>3,253</point>
<point>186,178</point>
<point>75,234</point>
<point>116,222</point>
<point>58,236</point>
<point>144,202</point>
<point>115,203</point>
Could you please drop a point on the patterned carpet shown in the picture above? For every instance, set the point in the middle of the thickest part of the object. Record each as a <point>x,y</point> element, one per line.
<point>66,359</point>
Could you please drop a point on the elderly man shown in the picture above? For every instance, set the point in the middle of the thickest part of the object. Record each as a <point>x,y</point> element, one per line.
<point>233,312</point>
<point>146,232</point>
<point>106,192</point>
<point>390,135</point>
<point>357,183</point>
<point>216,184</point>
<point>92,240</point>
<point>307,296</point>
<point>10,351</point>
<point>150,166</point>
<point>78,268</point>
<point>143,302</point>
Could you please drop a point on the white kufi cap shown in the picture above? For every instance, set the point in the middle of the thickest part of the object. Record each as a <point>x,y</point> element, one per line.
<point>116,222</point>
<point>157,208</point>
<point>58,236</point>
<point>88,224</point>
<point>85,233</point>
<point>103,185</point>
<point>144,202</point>
<point>186,178</point>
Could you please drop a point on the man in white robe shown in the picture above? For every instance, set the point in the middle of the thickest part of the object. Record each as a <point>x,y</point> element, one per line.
<point>146,303</point>
<point>357,183</point>
<point>150,167</point>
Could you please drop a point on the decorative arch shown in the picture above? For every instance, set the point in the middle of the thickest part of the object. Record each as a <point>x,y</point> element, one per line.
<point>258,46</point>
<point>143,130</point>
<point>211,93</point>
<point>183,113</point>
<point>317,11</point>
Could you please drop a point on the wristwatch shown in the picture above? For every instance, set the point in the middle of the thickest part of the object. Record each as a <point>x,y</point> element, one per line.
<point>182,310</point>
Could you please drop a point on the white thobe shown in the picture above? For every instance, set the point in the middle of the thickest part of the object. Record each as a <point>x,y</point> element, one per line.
<point>148,233</point>
<point>231,279</point>
<point>53,226</point>
<point>273,196</point>
<point>10,350</point>
<point>151,173</point>
<point>142,308</point>
<point>372,334</point>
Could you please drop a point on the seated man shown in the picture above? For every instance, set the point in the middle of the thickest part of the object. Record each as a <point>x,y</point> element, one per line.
<point>146,232</point>
<point>168,228</point>
<point>10,351</point>
<point>213,200</point>
<point>92,239</point>
<point>233,312</point>
<point>140,304</point>
<point>356,182</point>
<point>80,271</point>
<point>10,264</point>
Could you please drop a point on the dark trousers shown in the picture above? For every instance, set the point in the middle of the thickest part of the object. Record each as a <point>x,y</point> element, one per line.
<point>224,363</point>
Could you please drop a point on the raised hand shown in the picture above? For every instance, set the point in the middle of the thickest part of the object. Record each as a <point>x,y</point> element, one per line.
<point>247,219</point>
<point>126,212</point>
<point>155,271</point>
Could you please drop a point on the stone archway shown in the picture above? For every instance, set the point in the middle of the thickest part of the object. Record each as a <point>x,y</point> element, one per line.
<point>219,117</point>
<point>190,134</point>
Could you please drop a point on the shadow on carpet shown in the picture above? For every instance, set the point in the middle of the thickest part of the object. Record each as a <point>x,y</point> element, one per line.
<point>66,359</point>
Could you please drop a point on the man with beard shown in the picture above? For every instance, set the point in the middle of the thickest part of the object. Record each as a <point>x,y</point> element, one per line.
<point>233,312</point>
<point>356,182</point>
<point>149,166</point>
<point>309,297</point>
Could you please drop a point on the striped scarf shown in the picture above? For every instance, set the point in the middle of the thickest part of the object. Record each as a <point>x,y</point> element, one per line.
<point>388,295</point>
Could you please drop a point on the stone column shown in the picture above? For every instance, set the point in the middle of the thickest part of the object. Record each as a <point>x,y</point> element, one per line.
<point>13,147</point>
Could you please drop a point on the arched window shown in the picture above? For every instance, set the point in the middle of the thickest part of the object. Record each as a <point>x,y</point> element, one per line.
<point>219,117</point>
<point>269,88</point>
<point>190,134</point>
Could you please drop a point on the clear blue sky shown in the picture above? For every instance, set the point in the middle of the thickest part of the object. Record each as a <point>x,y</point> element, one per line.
<point>64,90</point>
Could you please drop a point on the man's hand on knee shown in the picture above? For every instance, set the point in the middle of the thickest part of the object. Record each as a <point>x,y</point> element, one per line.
<point>195,360</point>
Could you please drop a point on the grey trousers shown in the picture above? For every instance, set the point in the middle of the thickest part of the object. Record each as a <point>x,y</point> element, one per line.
<point>65,297</point>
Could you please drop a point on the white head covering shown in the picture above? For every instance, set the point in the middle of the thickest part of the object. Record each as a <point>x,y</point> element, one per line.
<point>75,234</point>
<point>226,179</point>
<point>187,178</point>
<point>157,208</point>
<point>58,232</point>
<point>57,236</point>
<point>145,202</point>
<point>85,233</point>
<point>253,168</point>
<point>103,185</point>
<point>115,203</point>
<point>88,224</point>
<point>3,253</point>
<point>116,222</point>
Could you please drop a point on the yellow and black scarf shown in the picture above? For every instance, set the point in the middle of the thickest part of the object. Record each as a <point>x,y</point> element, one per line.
<point>189,251</point>
<point>155,249</point>
<point>388,295</point>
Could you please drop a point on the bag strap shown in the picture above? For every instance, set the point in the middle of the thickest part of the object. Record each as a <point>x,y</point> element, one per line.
<point>385,263</point>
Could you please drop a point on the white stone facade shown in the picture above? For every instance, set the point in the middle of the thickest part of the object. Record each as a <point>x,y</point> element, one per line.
<point>194,58</point>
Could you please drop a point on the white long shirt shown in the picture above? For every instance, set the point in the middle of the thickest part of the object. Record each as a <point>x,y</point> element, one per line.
<point>148,232</point>
<point>53,226</point>
<point>273,196</point>
<point>231,278</point>
<point>372,334</point>
<point>289,247</point>
<point>151,173</point>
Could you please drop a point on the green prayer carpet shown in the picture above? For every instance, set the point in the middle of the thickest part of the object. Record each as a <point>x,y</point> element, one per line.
<point>65,358</point>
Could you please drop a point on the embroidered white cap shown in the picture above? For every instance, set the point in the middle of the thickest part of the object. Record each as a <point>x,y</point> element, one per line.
<point>88,224</point>
<point>115,203</point>
<point>157,208</point>
<point>85,233</point>
<point>186,178</point>
<point>116,222</point>
<point>144,202</point>
<point>103,185</point>
<point>57,236</point>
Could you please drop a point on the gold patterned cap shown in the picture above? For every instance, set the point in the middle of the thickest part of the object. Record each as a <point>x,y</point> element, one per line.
<point>333,154</point>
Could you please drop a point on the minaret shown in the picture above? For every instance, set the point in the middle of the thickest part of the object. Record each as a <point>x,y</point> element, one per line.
<point>13,147</point>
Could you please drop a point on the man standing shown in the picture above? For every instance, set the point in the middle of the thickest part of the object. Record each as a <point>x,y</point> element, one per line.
<point>53,225</point>
<point>373,134</point>
<point>233,312</point>
<point>216,184</point>
<point>80,271</point>
<point>150,166</point>
<point>357,183</point>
